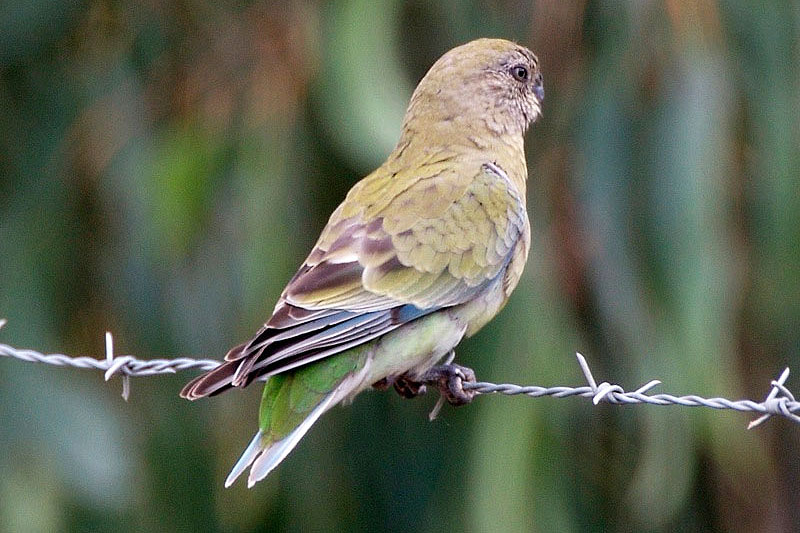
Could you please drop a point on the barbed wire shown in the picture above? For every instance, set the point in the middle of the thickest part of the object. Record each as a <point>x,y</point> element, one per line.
<point>779,401</point>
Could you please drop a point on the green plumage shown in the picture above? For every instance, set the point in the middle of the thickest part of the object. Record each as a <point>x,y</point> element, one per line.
<point>289,398</point>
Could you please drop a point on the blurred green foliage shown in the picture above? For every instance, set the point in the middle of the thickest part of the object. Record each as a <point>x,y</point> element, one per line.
<point>164,168</point>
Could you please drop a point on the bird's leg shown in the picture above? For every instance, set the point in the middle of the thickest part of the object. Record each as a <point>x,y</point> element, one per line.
<point>404,385</point>
<point>382,384</point>
<point>409,388</point>
<point>449,378</point>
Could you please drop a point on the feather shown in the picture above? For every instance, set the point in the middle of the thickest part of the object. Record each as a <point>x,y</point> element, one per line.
<point>211,383</point>
<point>264,454</point>
<point>276,452</point>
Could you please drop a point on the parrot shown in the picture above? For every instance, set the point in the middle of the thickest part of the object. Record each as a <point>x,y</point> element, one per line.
<point>422,252</point>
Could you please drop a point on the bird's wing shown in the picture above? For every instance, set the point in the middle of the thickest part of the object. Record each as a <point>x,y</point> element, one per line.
<point>434,244</point>
<point>395,249</point>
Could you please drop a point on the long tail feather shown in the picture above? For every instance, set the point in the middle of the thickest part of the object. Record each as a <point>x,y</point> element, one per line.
<point>252,451</point>
<point>265,455</point>
<point>277,452</point>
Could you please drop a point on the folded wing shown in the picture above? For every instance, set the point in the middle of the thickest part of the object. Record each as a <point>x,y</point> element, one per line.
<point>396,249</point>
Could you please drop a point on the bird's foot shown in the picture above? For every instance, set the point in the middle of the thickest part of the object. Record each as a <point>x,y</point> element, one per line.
<point>408,388</point>
<point>449,379</point>
<point>404,385</point>
<point>382,384</point>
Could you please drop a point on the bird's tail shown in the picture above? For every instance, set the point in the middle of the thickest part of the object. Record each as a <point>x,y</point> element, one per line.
<point>264,453</point>
<point>290,406</point>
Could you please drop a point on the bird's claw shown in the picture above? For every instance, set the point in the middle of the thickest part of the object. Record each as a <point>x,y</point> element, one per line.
<point>382,384</point>
<point>405,386</point>
<point>408,388</point>
<point>450,379</point>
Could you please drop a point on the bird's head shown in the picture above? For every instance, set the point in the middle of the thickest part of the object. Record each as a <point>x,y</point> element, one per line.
<point>487,82</point>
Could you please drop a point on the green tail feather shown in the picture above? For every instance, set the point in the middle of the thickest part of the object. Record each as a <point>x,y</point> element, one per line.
<point>290,405</point>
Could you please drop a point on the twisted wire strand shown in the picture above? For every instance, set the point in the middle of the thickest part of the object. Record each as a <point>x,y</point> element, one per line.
<point>779,401</point>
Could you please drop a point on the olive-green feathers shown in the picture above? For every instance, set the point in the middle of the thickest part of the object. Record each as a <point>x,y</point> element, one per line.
<point>382,248</point>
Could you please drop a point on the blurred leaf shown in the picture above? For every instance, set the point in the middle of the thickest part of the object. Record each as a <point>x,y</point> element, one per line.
<point>181,186</point>
<point>362,90</point>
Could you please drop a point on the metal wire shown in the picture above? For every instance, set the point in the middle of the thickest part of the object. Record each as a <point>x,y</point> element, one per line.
<point>779,401</point>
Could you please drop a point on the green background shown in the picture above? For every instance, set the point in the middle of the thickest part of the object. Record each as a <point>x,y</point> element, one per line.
<point>165,167</point>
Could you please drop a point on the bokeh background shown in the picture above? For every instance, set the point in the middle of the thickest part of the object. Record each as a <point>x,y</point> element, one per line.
<point>165,167</point>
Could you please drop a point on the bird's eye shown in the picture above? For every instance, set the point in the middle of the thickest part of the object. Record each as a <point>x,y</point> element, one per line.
<point>520,73</point>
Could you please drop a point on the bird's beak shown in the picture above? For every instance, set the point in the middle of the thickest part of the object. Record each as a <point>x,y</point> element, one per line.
<point>538,88</point>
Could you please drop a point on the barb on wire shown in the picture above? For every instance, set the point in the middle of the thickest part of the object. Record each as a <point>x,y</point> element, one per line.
<point>779,401</point>
<point>126,365</point>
